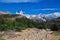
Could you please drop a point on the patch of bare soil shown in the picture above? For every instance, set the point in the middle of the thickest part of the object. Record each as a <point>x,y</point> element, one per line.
<point>31,34</point>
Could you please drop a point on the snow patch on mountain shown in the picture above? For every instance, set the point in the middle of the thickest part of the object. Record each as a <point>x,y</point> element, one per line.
<point>41,16</point>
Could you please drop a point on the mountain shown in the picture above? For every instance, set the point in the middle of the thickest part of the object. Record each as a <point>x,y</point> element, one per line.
<point>37,18</point>
<point>54,21</point>
<point>42,18</point>
<point>15,22</point>
<point>32,17</point>
<point>20,14</point>
<point>20,22</point>
<point>4,12</point>
<point>9,15</point>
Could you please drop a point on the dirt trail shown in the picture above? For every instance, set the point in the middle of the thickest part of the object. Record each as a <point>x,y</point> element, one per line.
<point>32,34</point>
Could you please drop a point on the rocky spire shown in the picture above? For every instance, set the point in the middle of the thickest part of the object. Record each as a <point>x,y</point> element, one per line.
<point>20,13</point>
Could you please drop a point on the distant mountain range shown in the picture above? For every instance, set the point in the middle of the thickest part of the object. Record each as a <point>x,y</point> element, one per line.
<point>36,18</point>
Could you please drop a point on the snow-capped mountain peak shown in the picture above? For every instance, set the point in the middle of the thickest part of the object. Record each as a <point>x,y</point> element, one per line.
<point>39,17</point>
<point>20,12</point>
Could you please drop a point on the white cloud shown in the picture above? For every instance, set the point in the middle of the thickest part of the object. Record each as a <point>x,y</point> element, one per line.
<point>57,14</point>
<point>48,9</point>
<point>53,15</point>
<point>17,1</point>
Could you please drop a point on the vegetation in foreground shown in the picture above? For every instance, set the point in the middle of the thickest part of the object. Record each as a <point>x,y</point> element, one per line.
<point>2,39</point>
<point>19,24</point>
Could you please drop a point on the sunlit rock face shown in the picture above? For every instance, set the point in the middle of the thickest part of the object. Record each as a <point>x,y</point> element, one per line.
<point>4,12</point>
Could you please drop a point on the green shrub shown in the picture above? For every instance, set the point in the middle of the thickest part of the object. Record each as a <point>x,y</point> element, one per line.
<point>2,39</point>
<point>54,27</point>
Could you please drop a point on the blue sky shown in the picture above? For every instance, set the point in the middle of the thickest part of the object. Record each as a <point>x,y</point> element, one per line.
<point>30,6</point>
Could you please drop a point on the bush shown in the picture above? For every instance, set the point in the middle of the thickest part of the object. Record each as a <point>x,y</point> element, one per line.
<point>54,27</point>
<point>2,39</point>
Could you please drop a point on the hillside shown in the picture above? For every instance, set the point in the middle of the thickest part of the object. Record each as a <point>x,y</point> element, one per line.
<point>19,22</point>
<point>18,27</point>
